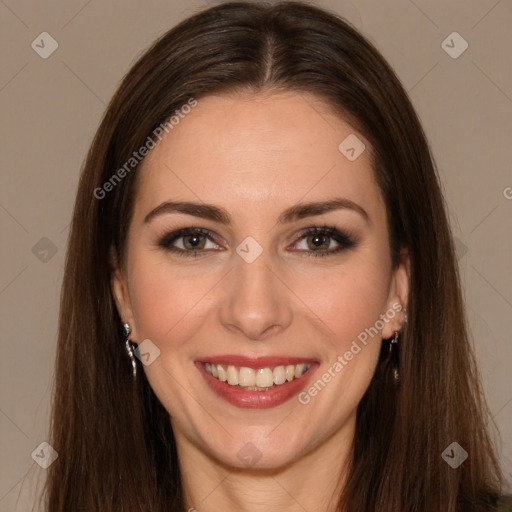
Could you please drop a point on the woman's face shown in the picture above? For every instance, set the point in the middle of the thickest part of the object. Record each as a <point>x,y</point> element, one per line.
<point>255,291</point>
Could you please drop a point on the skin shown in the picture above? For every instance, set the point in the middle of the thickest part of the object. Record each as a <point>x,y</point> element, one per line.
<point>255,156</point>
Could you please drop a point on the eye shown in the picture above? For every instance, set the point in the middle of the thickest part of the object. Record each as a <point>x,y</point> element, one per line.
<point>188,242</point>
<point>318,241</point>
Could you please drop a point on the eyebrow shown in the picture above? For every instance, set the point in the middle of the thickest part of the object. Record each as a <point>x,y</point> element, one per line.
<point>294,213</point>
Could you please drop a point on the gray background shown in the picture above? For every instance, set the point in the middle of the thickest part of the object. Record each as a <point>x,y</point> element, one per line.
<point>52,108</point>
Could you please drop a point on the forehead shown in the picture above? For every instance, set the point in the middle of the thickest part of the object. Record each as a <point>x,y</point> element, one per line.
<point>257,152</point>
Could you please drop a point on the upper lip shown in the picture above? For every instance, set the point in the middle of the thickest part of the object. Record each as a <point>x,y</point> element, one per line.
<point>256,362</point>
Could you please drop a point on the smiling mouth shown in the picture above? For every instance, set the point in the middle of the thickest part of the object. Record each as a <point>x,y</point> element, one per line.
<point>256,379</point>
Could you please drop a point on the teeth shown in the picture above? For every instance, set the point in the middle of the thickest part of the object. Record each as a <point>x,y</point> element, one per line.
<point>223,376</point>
<point>264,378</point>
<point>247,377</point>
<point>232,376</point>
<point>298,370</point>
<point>259,379</point>
<point>279,375</point>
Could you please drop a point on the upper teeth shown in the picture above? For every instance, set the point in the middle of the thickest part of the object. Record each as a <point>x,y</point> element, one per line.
<point>261,377</point>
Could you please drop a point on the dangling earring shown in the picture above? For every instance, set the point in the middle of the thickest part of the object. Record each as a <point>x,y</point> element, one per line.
<point>393,356</point>
<point>129,348</point>
<point>393,350</point>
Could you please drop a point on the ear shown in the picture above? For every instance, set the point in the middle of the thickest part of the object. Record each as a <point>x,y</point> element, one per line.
<point>398,296</point>
<point>120,292</point>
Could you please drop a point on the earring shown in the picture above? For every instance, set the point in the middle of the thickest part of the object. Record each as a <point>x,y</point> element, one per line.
<point>129,348</point>
<point>393,356</point>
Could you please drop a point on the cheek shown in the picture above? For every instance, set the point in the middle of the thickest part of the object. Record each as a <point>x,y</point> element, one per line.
<point>347,299</point>
<point>162,298</point>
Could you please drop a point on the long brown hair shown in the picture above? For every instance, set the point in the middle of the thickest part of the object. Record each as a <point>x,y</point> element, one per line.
<point>113,436</point>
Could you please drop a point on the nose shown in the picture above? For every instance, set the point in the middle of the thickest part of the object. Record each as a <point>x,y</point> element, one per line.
<point>255,301</point>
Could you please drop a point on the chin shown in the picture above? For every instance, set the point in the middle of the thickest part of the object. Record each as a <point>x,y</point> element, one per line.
<point>262,451</point>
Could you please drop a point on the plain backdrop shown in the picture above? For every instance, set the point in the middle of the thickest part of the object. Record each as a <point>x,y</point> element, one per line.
<point>52,106</point>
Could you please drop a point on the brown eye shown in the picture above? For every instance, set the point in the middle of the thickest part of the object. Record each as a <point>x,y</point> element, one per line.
<point>194,242</point>
<point>318,241</point>
<point>188,242</point>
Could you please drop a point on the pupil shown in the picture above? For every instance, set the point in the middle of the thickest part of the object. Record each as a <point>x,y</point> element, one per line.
<point>194,241</point>
<point>317,240</point>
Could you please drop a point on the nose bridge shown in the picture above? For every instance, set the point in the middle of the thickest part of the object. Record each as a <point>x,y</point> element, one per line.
<point>255,301</point>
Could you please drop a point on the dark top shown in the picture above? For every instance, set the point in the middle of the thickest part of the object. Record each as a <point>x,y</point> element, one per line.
<point>505,504</point>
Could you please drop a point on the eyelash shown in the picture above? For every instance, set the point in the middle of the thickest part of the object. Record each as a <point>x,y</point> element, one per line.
<point>345,239</point>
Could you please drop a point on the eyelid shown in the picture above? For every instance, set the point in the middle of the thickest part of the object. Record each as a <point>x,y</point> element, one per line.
<point>169,237</point>
<point>345,239</point>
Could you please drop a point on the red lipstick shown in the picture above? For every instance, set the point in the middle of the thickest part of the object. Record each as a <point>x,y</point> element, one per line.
<point>253,399</point>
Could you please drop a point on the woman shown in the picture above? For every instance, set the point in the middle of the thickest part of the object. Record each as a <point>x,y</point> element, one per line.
<point>260,214</point>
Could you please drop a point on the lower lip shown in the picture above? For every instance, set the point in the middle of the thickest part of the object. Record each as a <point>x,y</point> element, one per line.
<point>256,399</point>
